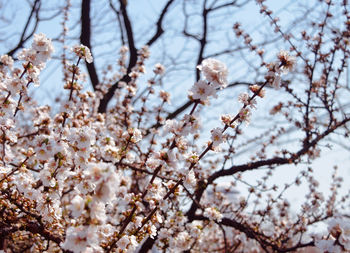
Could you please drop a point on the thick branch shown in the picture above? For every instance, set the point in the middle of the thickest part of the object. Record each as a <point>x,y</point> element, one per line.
<point>148,244</point>
<point>252,234</point>
<point>203,40</point>
<point>117,13</point>
<point>132,58</point>
<point>255,165</point>
<point>85,39</point>
<point>37,229</point>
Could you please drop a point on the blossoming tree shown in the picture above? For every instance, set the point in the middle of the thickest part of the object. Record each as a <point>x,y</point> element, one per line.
<point>108,170</point>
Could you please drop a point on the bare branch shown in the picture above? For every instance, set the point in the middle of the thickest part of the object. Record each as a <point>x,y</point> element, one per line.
<point>132,58</point>
<point>24,36</point>
<point>85,39</point>
<point>160,30</point>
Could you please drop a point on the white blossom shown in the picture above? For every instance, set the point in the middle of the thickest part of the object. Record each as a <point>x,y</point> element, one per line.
<point>202,90</point>
<point>217,137</point>
<point>83,52</point>
<point>215,72</point>
<point>159,69</point>
<point>77,206</point>
<point>213,214</point>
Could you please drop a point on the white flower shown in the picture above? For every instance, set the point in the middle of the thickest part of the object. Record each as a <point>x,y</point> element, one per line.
<point>255,88</point>
<point>138,221</point>
<point>244,115</point>
<point>27,54</point>
<point>77,206</point>
<point>107,230</point>
<point>215,72</point>
<point>342,227</point>
<point>144,52</point>
<point>136,136</point>
<point>181,242</point>
<point>83,52</point>
<point>159,69</point>
<point>153,231</point>
<point>84,138</point>
<point>190,181</point>
<point>97,172</point>
<point>43,47</point>
<point>167,157</point>
<point>123,50</point>
<point>217,137</point>
<point>130,157</point>
<point>227,120</point>
<point>165,96</point>
<point>123,242</point>
<point>44,147</point>
<point>182,143</point>
<point>156,190</point>
<point>37,55</point>
<point>213,214</point>
<point>202,90</point>
<point>193,124</point>
<point>158,217</point>
<point>172,126</point>
<point>41,43</point>
<point>286,62</point>
<point>192,157</point>
<point>276,81</point>
<point>15,85</point>
<point>133,244</point>
<point>133,134</point>
<point>98,211</point>
<point>76,239</point>
<point>244,98</point>
<point>153,162</point>
<point>105,190</point>
<point>46,177</point>
<point>6,60</point>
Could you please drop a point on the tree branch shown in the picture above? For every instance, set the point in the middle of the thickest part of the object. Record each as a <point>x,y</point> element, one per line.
<point>202,185</point>
<point>160,30</point>
<point>85,39</point>
<point>132,59</point>
<point>23,39</point>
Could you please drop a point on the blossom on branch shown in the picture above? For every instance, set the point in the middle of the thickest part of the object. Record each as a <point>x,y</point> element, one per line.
<point>286,62</point>
<point>217,137</point>
<point>215,72</point>
<point>83,52</point>
<point>135,175</point>
<point>201,90</point>
<point>213,214</point>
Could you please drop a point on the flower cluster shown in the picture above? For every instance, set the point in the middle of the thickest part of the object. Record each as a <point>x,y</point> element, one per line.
<point>39,53</point>
<point>83,52</point>
<point>79,180</point>
<point>215,73</point>
<point>284,65</point>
